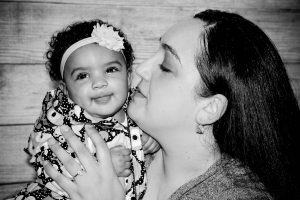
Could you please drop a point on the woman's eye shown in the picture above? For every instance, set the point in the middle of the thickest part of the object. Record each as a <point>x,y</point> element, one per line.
<point>81,76</point>
<point>112,69</point>
<point>164,69</point>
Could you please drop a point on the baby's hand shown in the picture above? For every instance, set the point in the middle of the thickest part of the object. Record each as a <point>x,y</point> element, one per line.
<point>149,144</point>
<point>121,160</point>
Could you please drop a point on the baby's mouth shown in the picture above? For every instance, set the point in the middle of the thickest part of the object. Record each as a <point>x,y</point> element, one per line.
<point>102,99</point>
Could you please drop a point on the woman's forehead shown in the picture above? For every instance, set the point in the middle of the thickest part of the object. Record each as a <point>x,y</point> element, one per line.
<point>183,37</point>
<point>189,28</point>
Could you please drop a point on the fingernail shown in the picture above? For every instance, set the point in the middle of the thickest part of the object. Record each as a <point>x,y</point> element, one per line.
<point>42,160</point>
<point>65,128</point>
<point>45,162</point>
<point>51,141</point>
<point>88,126</point>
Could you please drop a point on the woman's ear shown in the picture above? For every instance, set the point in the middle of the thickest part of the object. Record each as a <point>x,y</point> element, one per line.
<point>63,87</point>
<point>211,109</point>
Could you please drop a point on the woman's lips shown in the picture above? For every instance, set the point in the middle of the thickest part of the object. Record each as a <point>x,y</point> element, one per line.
<point>137,93</point>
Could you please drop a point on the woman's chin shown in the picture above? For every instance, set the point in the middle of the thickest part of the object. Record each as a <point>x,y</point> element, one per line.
<point>131,110</point>
<point>134,112</point>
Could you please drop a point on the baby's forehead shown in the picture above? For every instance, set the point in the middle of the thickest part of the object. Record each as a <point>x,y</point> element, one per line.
<point>93,54</point>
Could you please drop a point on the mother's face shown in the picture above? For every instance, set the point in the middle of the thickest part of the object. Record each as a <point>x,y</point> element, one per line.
<point>166,98</point>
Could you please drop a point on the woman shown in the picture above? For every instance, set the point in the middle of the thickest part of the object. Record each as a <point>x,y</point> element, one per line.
<point>217,98</point>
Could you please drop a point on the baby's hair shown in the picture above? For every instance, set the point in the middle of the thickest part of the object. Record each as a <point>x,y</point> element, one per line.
<point>62,40</point>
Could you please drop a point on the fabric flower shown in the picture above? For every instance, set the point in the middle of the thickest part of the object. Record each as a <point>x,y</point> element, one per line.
<point>107,37</point>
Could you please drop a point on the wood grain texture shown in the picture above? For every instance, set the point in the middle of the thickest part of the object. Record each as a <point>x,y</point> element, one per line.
<point>10,189</point>
<point>23,88</point>
<point>26,27</point>
<point>14,165</point>
<point>220,4</point>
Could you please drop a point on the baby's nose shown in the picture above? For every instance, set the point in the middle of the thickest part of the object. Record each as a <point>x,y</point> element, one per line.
<point>99,83</point>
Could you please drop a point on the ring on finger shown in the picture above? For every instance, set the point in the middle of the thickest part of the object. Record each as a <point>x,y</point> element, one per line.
<point>78,173</point>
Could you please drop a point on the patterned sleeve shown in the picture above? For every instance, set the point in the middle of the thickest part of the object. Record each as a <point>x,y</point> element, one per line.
<point>43,186</point>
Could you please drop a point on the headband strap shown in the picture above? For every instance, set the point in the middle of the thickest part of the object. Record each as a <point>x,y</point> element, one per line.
<point>103,35</point>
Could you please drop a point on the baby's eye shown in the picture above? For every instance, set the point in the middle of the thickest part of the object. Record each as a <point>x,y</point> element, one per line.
<point>112,69</point>
<point>82,76</point>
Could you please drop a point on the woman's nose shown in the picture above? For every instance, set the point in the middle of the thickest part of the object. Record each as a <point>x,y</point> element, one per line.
<point>144,70</point>
<point>99,83</point>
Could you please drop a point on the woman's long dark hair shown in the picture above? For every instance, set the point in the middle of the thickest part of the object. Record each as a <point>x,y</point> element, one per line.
<point>261,126</point>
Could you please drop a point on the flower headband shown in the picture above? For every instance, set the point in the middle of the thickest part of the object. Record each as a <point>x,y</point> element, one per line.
<point>103,35</point>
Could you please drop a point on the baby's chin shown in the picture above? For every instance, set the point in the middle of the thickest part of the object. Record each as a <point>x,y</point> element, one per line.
<point>119,115</point>
<point>95,117</point>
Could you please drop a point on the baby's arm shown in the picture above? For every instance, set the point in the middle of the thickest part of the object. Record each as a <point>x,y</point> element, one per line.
<point>121,160</point>
<point>149,144</point>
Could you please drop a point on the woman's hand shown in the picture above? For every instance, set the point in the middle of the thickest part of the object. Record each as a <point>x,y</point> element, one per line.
<point>92,179</point>
<point>150,145</point>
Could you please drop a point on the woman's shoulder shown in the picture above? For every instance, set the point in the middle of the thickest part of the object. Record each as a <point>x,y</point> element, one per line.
<point>226,179</point>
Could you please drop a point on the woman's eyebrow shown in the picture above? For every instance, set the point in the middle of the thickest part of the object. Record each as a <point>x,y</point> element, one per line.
<point>167,47</point>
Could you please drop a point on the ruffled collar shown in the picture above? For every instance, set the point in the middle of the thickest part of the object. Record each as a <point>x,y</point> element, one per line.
<point>60,109</point>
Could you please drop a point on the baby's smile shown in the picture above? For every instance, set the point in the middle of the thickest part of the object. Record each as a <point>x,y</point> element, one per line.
<point>102,99</point>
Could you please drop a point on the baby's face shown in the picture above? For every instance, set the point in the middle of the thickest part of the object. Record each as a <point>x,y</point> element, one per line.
<point>96,79</point>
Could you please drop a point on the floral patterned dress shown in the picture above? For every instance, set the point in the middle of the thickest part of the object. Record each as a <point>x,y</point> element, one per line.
<point>57,110</point>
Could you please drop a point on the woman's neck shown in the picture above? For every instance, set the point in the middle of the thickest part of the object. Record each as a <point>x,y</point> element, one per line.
<point>175,165</point>
<point>187,161</point>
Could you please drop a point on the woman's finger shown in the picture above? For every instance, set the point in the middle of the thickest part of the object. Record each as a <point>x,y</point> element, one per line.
<point>121,149</point>
<point>102,151</point>
<point>65,183</point>
<point>127,164</point>
<point>147,145</point>
<point>154,146</point>
<point>126,152</point>
<point>125,173</point>
<point>126,158</point>
<point>110,181</point>
<point>85,158</point>
<point>68,161</point>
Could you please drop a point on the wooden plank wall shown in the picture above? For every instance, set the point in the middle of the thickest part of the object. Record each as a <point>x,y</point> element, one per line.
<point>26,26</point>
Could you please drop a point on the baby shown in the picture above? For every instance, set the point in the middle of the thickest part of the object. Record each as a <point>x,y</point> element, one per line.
<point>91,61</point>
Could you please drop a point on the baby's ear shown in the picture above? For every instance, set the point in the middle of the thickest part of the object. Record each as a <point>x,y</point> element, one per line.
<point>63,87</point>
<point>211,109</point>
